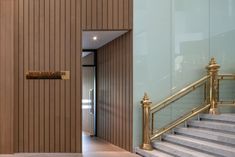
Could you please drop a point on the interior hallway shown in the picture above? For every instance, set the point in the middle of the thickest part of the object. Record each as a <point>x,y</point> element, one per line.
<point>92,147</point>
<point>95,144</point>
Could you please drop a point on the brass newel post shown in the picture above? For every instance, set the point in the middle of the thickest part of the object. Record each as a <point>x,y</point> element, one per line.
<point>213,69</point>
<point>146,126</point>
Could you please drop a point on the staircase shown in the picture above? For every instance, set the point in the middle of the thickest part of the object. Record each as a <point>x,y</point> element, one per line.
<point>211,135</point>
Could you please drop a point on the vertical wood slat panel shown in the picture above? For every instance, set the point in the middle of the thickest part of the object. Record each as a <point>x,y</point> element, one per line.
<point>104,14</point>
<point>115,94</point>
<point>67,83</point>
<point>89,14</point>
<point>73,72</point>
<point>42,82</point>
<point>57,82</point>
<point>21,76</point>
<point>109,96</point>
<point>94,7</point>
<point>114,101</point>
<point>110,16</point>
<point>47,68</point>
<point>7,78</point>
<point>30,59</point>
<point>16,71</point>
<point>78,77</point>
<point>99,17</point>
<point>62,83</point>
<point>26,67</point>
<point>115,17</point>
<point>48,111</point>
<point>36,82</point>
<point>52,82</point>
<point>107,14</point>
<point>121,14</point>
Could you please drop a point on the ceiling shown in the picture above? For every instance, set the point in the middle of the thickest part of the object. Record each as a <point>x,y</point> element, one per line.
<point>103,37</point>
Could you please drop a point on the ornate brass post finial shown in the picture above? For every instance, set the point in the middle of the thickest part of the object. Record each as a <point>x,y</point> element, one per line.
<point>213,69</point>
<point>146,126</point>
<point>213,65</point>
<point>145,100</point>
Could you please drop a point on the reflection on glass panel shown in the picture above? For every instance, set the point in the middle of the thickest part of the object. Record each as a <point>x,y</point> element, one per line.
<point>179,108</point>
<point>222,33</point>
<point>190,47</point>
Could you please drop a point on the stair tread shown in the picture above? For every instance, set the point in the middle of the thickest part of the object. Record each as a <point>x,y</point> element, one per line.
<point>201,142</point>
<point>222,117</point>
<point>213,124</point>
<point>177,149</point>
<point>153,153</point>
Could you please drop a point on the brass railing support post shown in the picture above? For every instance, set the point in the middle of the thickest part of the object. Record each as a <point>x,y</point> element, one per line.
<point>213,69</point>
<point>146,123</point>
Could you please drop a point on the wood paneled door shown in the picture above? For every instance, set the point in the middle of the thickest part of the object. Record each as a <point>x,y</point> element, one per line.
<point>48,112</point>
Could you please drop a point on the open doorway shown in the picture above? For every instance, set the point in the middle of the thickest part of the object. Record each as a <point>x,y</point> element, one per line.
<point>89,93</point>
<point>106,85</point>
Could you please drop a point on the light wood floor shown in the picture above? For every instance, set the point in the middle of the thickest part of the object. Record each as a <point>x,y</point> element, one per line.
<point>94,144</point>
<point>95,154</point>
<point>92,147</point>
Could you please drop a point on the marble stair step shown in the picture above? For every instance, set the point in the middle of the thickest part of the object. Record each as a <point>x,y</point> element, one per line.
<point>204,146</point>
<point>153,153</point>
<point>228,118</point>
<point>177,150</point>
<point>214,125</point>
<point>220,137</point>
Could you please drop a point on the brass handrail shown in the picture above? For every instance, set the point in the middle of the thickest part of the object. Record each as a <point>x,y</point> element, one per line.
<point>156,107</point>
<point>226,77</point>
<point>227,102</point>
<point>222,77</point>
<point>211,87</point>
<point>179,121</point>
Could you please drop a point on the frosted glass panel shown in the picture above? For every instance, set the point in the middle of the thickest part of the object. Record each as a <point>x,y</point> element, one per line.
<point>152,54</point>
<point>222,29</point>
<point>173,43</point>
<point>190,43</point>
<point>222,45</point>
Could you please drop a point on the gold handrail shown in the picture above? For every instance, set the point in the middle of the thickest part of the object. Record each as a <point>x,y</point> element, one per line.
<point>222,77</point>
<point>179,121</point>
<point>156,107</point>
<point>211,93</point>
<point>226,77</point>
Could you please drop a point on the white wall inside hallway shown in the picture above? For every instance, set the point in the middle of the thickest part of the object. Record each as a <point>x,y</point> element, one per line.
<point>173,42</point>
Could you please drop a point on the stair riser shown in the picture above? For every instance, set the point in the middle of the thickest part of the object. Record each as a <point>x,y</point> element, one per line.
<point>202,148</point>
<point>173,151</point>
<point>178,152</point>
<point>153,153</point>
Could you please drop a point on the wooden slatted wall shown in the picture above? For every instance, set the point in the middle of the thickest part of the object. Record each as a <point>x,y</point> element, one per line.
<point>48,112</point>
<point>114,104</point>
<point>107,14</point>
<point>7,75</point>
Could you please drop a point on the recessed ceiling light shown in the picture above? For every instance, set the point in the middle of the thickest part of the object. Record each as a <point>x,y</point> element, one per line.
<point>95,38</point>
